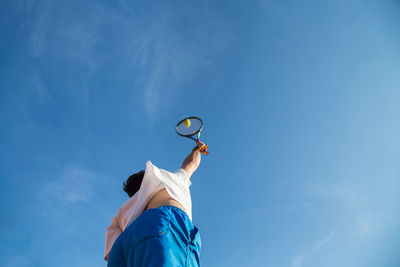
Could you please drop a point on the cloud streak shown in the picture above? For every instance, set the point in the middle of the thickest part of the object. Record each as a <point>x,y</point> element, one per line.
<point>75,185</point>
<point>40,29</point>
<point>38,89</point>
<point>165,56</point>
<point>359,216</point>
<point>358,222</point>
<point>63,211</point>
<point>299,259</point>
<point>157,51</point>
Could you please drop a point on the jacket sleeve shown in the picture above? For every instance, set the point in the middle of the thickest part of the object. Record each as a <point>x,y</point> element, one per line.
<point>112,233</point>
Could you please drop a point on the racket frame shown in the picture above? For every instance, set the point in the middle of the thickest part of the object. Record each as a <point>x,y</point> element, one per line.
<point>197,133</point>
<point>193,134</point>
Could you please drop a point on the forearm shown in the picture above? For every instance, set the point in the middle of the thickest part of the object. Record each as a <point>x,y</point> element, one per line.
<point>192,161</point>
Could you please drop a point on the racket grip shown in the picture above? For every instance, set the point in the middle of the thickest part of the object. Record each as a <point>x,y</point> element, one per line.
<point>204,150</point>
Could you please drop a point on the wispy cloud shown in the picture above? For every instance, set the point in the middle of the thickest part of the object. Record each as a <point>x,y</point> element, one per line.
<point>64,35</point>
<point>65,209</point>
<point>297,261</point>
<point>80,35</point>
<point>73,186</point>
<point>302,256</point>
<point>36,87</point>
<point>42,20</point>
<point>367,224</point>
<point>74,194</point>
<point>161,49</point>
<point>359,216</point>
<point>358,221</point>
<point>60,200</point>
<point>166,56</point>
<point>321,243</point>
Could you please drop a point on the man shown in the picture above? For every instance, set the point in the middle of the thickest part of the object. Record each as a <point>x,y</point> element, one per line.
<point>154,227</point>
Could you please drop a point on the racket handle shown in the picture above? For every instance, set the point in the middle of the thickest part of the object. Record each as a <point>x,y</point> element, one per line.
<point>204,150</point>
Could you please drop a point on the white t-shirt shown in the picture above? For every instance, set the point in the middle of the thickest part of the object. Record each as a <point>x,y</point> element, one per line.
<point>177,185</point>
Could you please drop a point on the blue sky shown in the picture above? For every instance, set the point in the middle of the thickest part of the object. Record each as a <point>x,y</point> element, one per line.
<point>300,101</point>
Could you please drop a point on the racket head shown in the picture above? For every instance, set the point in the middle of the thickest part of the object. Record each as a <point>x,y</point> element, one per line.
<point>195,127</point>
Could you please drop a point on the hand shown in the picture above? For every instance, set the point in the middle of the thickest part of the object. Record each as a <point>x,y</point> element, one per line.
<point>199,144</point>
<point>201,147</point>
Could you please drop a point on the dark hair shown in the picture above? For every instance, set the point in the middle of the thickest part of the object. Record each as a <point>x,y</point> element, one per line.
<point>132,184</point>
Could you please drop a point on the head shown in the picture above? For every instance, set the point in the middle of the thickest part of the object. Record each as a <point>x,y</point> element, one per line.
<point>132,184</point>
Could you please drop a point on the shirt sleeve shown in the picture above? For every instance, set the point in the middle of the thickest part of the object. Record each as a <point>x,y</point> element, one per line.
<point>112,233</point>
<point>183,176</point>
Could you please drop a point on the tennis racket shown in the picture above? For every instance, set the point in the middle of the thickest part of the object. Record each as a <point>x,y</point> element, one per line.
<point>191,127</point>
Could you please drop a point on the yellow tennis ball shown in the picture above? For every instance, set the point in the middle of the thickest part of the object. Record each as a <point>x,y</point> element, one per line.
<point>186,123</point>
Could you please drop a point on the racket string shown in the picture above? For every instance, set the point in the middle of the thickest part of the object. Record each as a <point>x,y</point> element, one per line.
<point>192,129</point>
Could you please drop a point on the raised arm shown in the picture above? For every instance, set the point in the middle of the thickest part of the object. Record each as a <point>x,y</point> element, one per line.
<point>192,161</point>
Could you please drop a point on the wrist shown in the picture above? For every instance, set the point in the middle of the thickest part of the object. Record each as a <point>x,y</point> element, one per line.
<point>196,148</point>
